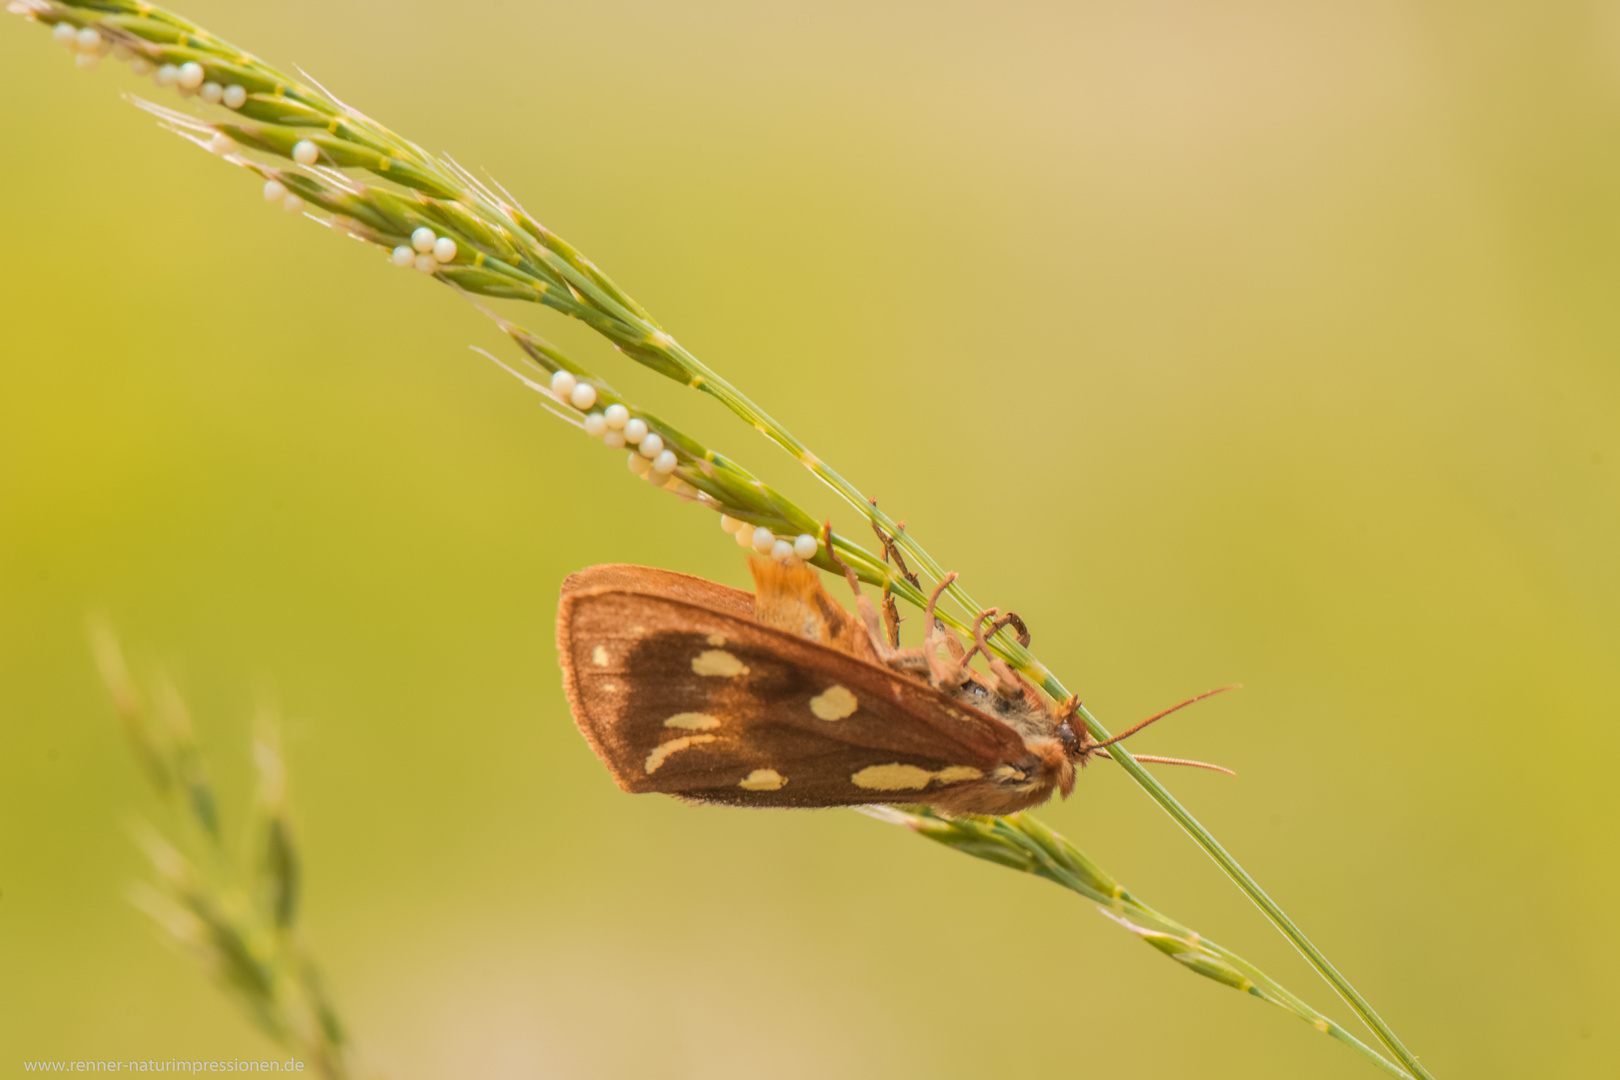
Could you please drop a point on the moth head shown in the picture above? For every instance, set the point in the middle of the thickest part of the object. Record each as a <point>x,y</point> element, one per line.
<point>1071,732</point>
<point>1057,761</point>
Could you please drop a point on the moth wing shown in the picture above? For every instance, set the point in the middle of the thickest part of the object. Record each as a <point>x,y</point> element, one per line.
<point>701,702</point>
<point>627,577</point>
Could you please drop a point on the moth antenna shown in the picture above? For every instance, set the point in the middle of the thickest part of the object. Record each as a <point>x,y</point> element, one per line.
<point>1157,760</point>
<point>1128,732</point>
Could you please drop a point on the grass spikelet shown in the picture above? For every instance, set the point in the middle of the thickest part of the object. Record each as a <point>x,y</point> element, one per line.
<point>236,913</point>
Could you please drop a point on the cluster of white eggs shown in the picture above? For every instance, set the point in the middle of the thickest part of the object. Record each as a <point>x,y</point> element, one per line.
<point>189,78</point>
<point>762,540</point>
<point>614,425</point>
<point>427,250</point>
<point>655,463</point>
<point>276,191</point>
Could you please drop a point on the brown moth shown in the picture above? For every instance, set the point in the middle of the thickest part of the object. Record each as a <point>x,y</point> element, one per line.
<point>782,698</point>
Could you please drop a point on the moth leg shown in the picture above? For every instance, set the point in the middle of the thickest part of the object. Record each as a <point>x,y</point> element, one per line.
<point>889,549</point>
<point>1018,624</point>
<point>940,672</point>
<point>1012,619</point>
<point>887,651</point>
<point>978,636</point>
<point>925,660</point>
<point>891,618</point>
<point>1003,680</point>
<point>952,672</point>
<point>1006,682</point>
<point>948,673</point>
<point>891,613</point>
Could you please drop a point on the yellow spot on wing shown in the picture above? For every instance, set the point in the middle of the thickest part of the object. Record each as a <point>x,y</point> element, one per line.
<point>891,777</point>
<point>762,780</point>
<point>717,640</point>
<point>599,656</point>
<point>834,703</point>
<point>663,750</point>
<point>694,721</point>
<point>899,777</point>
<point>718,662</point>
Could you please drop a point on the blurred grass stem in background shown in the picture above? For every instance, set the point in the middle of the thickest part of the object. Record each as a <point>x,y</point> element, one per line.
<point>480,240</point>
<point>235,912</point>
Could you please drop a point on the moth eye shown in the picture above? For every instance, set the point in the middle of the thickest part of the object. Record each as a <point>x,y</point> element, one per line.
<point>834,703</point>
<point>1067,736</point>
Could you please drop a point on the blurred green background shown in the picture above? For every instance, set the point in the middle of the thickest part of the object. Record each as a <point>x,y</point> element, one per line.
<point>1263,342</point>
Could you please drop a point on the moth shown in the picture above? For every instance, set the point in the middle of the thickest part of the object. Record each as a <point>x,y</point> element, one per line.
<point>781,698</point>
